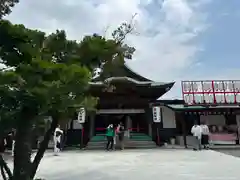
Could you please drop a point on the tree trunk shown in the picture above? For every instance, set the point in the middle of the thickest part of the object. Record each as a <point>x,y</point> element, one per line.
<point>184,130</point>
<point>23,145</point>
<point>44,146</point>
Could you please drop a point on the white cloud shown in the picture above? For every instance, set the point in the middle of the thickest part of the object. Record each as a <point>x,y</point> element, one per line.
<point>167,28</point>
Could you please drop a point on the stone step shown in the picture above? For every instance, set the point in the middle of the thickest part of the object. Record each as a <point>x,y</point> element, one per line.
<point>126,147</point>
<point>128,144</point>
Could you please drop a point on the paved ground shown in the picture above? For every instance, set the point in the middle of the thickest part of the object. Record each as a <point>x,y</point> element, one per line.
<point>140,165</point>
<point>233,152</point>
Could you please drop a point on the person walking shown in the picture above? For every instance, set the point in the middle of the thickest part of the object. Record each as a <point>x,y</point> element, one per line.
<point>57,140</point>
<point>205,135</point>
<point>3,144</point>
<point>115,137</point>
<point>12,134</point>
<point>110,137</point>
<point>197,134</point>
<point>121,132</point>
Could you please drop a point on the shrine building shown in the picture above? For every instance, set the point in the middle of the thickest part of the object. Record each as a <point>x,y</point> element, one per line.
<point>127,97</point>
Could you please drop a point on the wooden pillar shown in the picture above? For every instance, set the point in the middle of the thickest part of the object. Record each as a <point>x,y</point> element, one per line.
<point>92,124</point>
<point>150,129</point>
<point>238,127</point>
<point>128,127</point>
<point>128,122</point>
<point>149,121</point>
<point>184,129</point>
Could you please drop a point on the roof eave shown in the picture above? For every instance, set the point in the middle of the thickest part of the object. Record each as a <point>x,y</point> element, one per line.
<point>149,83</point>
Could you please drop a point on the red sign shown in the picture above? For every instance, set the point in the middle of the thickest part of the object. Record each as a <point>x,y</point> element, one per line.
<point>218,92</point>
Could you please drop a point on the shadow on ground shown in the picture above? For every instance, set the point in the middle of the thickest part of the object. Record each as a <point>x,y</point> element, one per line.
<point>232,152</point>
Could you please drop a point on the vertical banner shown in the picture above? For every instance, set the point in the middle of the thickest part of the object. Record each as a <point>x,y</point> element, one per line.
<point>156,114</point>
<point>81,115</point>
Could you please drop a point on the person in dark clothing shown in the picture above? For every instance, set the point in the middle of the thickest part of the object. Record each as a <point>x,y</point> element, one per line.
<point>3,143</point>
<point>205,135</point>
<point>121,131</point>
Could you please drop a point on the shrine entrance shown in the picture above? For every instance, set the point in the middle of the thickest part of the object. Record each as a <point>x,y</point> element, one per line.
<point>132,119</point>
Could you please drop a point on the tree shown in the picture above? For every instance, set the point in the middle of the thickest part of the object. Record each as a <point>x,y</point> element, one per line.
<point>47,75</point>
<point>36,87</point>
<point>5,7</point>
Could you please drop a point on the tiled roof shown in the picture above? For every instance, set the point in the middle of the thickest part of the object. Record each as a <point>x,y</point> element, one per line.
<point>182,107</point>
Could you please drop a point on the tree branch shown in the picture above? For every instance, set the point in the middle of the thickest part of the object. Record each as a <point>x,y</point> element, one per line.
<point>125,29</point>
<point>3,173</point>
<point>5,167</point>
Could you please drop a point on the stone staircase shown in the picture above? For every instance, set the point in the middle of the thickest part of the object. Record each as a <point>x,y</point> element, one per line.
<point>135,141</point>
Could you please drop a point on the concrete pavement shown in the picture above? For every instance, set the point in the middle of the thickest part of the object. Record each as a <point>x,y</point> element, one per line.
<point>139,165</point>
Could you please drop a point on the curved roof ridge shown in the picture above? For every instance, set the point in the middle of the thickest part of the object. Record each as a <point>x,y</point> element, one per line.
<point>152,83</point>
<point>134,72</point>
<point>127,73</point>
<point>129,79</point>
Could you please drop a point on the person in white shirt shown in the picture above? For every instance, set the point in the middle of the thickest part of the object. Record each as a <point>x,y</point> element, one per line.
<point>57,140</point>
<point>205,136</point>
<point>12,134</point>
<point>197,133</point>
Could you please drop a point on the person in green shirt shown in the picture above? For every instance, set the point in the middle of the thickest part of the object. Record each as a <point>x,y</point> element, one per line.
<point>110,134</point>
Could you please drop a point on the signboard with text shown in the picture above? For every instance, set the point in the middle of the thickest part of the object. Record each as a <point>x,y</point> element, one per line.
<point>81,115</point>
<point>156,110</point>
<point>215,92</point>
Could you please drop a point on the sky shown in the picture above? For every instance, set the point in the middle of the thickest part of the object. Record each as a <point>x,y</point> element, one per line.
<point>175,40</point>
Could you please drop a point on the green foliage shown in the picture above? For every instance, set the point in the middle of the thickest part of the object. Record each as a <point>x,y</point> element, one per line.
<point>51,72</point>
<point>49,75</point>
<point>18,44</point>
<point>57,48</point>
<point>5,6</point>
<point>36,81</point>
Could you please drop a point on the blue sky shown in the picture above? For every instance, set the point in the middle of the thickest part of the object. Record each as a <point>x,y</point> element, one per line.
<point>220,57</point>
<point>175,40</point>
<point>221,40</point>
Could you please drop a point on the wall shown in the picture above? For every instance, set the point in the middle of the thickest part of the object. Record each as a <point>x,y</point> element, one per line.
<point>169,125</point>
<point>168,117</point>
<point>74,134</point>
<point>190,140</point>
<point>213,119</point>
<point>77,125</point>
